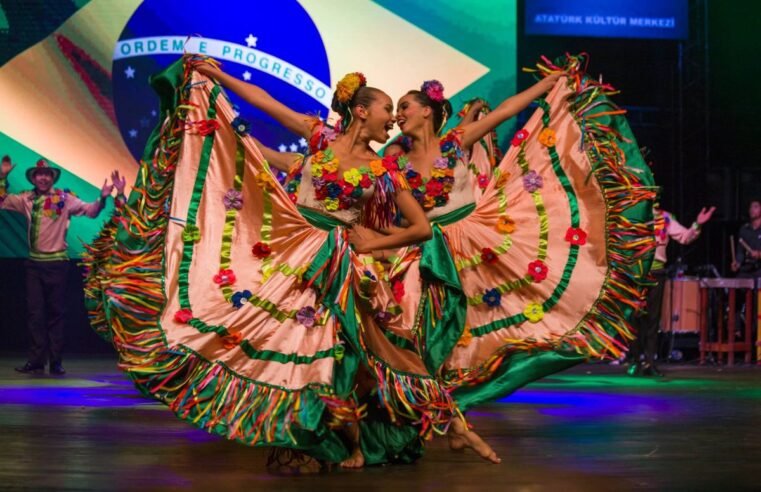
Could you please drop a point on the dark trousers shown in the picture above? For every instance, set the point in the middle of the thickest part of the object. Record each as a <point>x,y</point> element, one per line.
<point>647,323</point>
<point>45,299</point>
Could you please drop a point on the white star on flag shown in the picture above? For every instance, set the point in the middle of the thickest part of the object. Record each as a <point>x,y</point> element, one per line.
<point>282,148</point>
<point>294,147</point>
<point>251,41</point>
<point>130,72</point>
<point>303,142</point>
<point>133,133</point>
<point>154,113</point>
<point>246,75</point>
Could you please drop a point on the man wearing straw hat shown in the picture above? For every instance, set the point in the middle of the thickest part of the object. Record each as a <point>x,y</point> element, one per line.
<point>48,211</point>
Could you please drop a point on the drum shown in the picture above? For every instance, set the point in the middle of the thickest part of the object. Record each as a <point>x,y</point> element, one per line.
<point>684,316</point>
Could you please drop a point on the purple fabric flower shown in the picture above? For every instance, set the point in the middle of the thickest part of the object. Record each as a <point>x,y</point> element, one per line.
<point>441,163</point>
<point>433,89</point>
<point>305,316</point>
<point>532,181</point>
<point>383,317</point>
<point>233,199</point>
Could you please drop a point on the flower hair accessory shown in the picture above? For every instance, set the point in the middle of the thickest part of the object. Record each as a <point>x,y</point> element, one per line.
<point>348,86</point>
<point>433,89</point>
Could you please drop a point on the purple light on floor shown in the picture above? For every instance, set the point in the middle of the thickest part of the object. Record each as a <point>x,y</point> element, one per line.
<point>585,405</point>
<point>100,396</point>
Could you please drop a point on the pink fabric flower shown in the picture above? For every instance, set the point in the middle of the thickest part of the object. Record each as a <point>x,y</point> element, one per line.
<point>483,181</point>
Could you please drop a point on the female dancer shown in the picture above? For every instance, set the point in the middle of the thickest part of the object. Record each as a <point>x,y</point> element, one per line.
<point>486,301</point>
<point>239,308</point>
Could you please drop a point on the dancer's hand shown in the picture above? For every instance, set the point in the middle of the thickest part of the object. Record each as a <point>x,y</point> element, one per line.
<point>360,238</point>
<point>106,189</point>
<point>550,80</point>
<point>206,68</point>
<point>118,182</point>
<point>6,168</point>
<point>705,215</point>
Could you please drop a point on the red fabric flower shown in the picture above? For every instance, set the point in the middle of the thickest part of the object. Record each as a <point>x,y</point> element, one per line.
<point>398,289</point>
<point>293,198</point>
<point>538,270</point>
<point>433,187</point>
<point>346,188</point>
<point>488,256</point>
<point>519,137</point>
<point>328,177</point>
<point>261,250</point>
<point>224,277</point>
<point>415,181</point>
<point>365,182</point>
<point>483,181</point>
<point>389,162</point>
<point>183,315</point>
<point>576,236</point>
<point>207,127</point>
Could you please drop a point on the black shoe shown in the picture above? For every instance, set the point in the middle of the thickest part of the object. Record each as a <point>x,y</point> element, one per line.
<point>57,369</point>
<point>651,370</point>
<point>30,368</point>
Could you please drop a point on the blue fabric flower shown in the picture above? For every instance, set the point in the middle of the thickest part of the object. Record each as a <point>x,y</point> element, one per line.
<point>492,297</point>
<point>241,126</point>
<point>240,298</point>
<point>446,147</point>
<point>334,190</point>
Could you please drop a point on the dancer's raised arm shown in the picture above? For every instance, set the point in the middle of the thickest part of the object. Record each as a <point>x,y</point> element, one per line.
<point>298,123</point>
<point>474,131</point>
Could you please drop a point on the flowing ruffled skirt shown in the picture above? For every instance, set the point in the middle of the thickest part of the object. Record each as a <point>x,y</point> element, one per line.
<point>545,269</point>
<point>238,310</point>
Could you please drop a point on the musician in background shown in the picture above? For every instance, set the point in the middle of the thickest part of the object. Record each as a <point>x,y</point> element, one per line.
<point>747,263</point>
<point>644,348</point>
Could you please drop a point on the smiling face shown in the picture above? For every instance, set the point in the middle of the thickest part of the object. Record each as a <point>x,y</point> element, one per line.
<point>43,180</point>
<point>377,116</point>
<point>411,115</point>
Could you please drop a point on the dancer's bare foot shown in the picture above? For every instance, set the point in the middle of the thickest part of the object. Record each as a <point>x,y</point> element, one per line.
<point>460,437</point>
<point>356,460</point>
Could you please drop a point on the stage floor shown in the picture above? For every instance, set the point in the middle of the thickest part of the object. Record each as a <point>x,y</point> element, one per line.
<point>591,428</point>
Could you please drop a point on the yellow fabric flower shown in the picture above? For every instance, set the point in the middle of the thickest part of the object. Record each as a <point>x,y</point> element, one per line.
<point>348,85</point>
<point>331,204</point>
<point>466,337</point>
<point>352,176</point>
<point>438,173</point>
<point>502,180</point>
<point>534,312</point>
<point>428,202</point>
<point>264,180</point>
<point>377,168</point>
<point>505,224</point>
<point>330,166</point>
<point>548,137</point>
